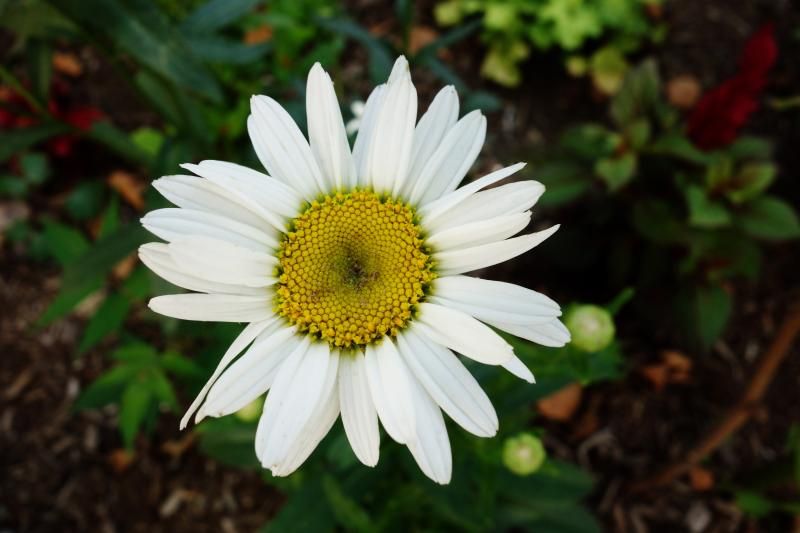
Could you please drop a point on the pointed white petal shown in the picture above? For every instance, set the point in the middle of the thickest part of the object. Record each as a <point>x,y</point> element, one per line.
<point>358,410</point>
<point>213,307</point>
<point>267,192</point>
<point>191,192</point>
<point>400,70</point>
<point>318,425</point>
<point>464,334</point>
<point>431,448</point>
<point>449,383</point>
<point>326,131</point>
<point>389,385</point>
<point>505,199</point>
<point>484,255</point>
<point>481,232</point>
<point>240,343</point>
<point>295,395</point>
<point>252,374</point>
<point>433,210</point>
<point>393,135</point>
<point>365,136</point>
<point>223,262</point>
<point>452,159</point>
<point>441,115</point>
<point>495,300</point>
<point>553,333</point>
<point>173,223</point>
<point>518,368</point>
<point>157,258</point>
<point>286,154</point>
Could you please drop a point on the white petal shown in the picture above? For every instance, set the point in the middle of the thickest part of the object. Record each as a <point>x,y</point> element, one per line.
<point>484,255</point>
<point>431,211</point>
<point>388,383</point>
<point>326,131</point>
<point>553,333</point>
<point>481,232</point>
<point>449,383</point>
<point>400,70</point>
<point>393,135</point>
<point>495,300</point>
<point>359,417</point>
<point>191,192</point>
<point>240,343</point>
<point>518,368</point>
<point>157,258</point>
<point>318,425</point>
<point>223,262</point>
<point>283,149</point>
<point>213,307</point>
<point>464,334</point>
<point>452,159</point>
<point>505,199</point>
<point>265,191</point>
<point>173,223</point>
<point>441,115</point>
<point>431,448</point>
<point>295,395</point>
<point>252,374</point>
<point>365,136</point>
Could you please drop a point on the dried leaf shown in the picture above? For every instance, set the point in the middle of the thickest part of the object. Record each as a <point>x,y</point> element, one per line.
<point>683,91</point>
<point>129,186</point>
<point>701,479</point>
<point>562,404</point>
<point>67,63</point>
<point>258,35</point>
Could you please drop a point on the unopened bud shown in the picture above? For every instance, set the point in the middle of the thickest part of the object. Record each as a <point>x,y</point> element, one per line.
<point>591,326</point>
<point>523,454</point>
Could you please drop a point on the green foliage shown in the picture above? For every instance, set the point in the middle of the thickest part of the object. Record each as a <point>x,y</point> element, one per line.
<point>711,210</point>
<point>512,27</point>
<point>138,383</point>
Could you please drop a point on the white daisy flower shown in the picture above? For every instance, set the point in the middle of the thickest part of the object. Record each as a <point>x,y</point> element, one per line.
<point>348,267</point>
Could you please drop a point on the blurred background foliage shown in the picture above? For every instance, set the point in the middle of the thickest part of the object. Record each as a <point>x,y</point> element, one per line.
<point>98,98</point>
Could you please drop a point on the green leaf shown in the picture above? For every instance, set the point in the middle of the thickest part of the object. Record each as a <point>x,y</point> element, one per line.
<point>711,309</point>
<point>137,354</point>
<point>639,93</point>
<point>85,200</point>
<point>229,441</point>
<point>105,389</point>
<point>750,148</point>
<point>677,145</point>
<point>294,516</point>
<point>35,168</point>
<point>566,181</point>
<point>163,391</point>
<point>108,318</point>
<point>616,172</point>
<point>450,38</point>
<point>220,50</point>
<point>348,513</point>
<point>657,220</point>
<point>380,60</point>
<point>608,68</point>
<point>139,29</point>
<point>136,401</point>
<point>118,142</point>
<point>40,68</point>
<point>87,273</point>
<point>15,141</point>
<point>64,243</point>
<point>769,218</point>
<point>753,503</point>
<point>751,181</point>
<point>216,14</point>
<point>704,212</point>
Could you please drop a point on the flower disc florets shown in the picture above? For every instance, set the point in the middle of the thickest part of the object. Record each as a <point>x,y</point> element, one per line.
<point>352,268</point>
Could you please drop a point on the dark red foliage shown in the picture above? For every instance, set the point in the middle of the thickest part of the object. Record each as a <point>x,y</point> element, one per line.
<point>16,113</point>
<point>719,115</point>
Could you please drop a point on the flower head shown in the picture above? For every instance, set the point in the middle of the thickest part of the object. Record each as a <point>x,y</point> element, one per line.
<point>347,266</point>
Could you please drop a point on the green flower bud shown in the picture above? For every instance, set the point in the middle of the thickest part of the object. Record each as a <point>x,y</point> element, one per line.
<point>592,327</point>
<point>251,411</point>
<point>523,454</point>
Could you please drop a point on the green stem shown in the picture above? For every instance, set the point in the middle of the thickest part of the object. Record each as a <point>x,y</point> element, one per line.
<point>9,79</point>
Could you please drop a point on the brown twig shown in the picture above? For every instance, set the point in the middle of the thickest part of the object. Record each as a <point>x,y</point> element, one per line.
<point>739,413</point>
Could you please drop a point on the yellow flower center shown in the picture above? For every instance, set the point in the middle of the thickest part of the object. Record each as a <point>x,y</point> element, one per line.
<point>352,268</point>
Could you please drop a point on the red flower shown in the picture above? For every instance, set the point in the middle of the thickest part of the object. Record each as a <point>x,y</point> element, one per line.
<point>719,115</point>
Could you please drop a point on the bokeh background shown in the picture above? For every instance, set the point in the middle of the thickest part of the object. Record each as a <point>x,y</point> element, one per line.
<point>667,134</point>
